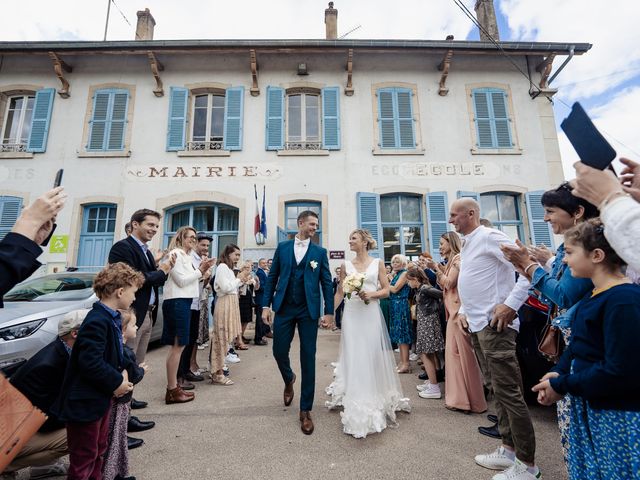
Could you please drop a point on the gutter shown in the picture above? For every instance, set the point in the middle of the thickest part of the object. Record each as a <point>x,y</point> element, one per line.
<point>564,64</point>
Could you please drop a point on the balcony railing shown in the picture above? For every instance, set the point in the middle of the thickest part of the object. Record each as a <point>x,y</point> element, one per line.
<point>13,147</point>
<point>204,146</point>
<point>303,146</point>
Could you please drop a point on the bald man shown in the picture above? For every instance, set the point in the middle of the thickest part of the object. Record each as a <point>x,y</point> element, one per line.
<point>490,300</point>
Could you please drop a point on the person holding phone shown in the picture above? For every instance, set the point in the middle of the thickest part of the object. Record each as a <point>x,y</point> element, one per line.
<point>20,248</point>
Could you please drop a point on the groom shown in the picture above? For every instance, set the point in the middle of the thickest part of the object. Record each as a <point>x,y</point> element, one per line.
<point>300,268</point>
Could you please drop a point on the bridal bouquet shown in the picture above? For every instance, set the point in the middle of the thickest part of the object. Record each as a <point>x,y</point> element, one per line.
<point>353,284</point>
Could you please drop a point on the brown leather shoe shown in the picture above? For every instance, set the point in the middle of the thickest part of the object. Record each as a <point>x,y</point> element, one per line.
<point>188,394</point>
<point>306,424</point>
<point>177,395</point>
<point>288,391</point>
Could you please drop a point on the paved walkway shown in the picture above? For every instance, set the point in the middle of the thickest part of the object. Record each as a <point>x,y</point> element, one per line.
<point>244,431</point>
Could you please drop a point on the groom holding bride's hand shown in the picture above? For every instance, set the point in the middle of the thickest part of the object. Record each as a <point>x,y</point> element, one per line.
<point>299,270</point>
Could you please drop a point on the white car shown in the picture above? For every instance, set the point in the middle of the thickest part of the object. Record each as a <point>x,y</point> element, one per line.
<point>33,308</point>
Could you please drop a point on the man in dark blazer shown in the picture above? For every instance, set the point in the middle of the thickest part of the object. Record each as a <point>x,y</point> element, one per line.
<point>261,327</point>
<point>20,248</point>
<point>135,252</point>
<point>40,380</point>
<point>299,272</point>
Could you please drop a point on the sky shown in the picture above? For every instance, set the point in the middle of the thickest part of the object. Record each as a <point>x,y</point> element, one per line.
<point>605,80</point>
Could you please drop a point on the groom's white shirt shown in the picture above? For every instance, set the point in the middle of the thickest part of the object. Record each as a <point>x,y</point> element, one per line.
<point>300,248</point>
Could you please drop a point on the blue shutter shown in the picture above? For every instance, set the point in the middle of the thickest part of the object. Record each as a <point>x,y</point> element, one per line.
<point>501,119</point>
<point>463,194</point>
<point>331,118</point>
<point>41,120</point>
<point>118,120</point>
<point>541,232</point>
<point>176,131</point>
<point>369,218</point>
<point>9,213</point>
<point>386,118</point>
<point>493,126</point>
<point>438,218</point>
<point>282,235</point>
<point>275,118</point>
<point>233,109</point>
<point>406,135</point>
<point>99,120</point>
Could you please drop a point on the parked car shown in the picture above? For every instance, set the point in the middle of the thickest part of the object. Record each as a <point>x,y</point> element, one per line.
<point>33,308</point>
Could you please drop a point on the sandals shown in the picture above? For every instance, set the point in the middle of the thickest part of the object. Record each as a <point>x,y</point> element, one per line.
<point>403,370</point>
<point>221,380</point>
<point>241,347</point>
<point>454,409</point>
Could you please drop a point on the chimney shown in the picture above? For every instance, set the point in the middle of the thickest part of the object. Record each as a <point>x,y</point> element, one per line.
<point>331,22</point>
<point>486,15</point>
<point>146,22</point>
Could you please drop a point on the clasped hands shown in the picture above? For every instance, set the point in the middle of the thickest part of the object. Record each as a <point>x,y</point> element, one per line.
<point>503,316</point>
<point>546,394</point>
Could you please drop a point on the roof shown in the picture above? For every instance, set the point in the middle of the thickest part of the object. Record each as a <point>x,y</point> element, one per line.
<point>282,46</point>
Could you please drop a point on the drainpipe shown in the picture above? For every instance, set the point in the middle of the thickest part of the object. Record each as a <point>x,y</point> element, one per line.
<point>564,64</point>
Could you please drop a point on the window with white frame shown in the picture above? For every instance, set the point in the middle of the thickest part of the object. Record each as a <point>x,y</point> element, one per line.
<point>503,210</point>
<point>17,124</point>
<point>303,122</point>
<point>291,212</point>
<point>207,131</point>
<point>402,226</point>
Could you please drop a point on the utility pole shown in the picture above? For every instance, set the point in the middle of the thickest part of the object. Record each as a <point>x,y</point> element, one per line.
<point>106,24</point>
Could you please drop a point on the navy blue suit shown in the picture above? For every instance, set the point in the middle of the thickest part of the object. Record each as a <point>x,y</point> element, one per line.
<point>293,289</point>
<point>93,372</point>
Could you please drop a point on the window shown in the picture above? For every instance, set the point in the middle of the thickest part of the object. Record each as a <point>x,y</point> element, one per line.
<point>96,236</point>
<point>17,125</point>
<point>503,210</point>
<point>108,124</point>
<point>215,119</point>
<point>219,221</point>
<point>291,212</point>
<point>395,119</point>
<point>9,212</point>
<point>492,119</point>
<point>26,120</point>
<point>300,119</point>
<point>402,226</point>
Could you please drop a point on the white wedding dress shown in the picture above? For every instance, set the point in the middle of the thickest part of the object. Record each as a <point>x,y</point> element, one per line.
<point>366,383</point>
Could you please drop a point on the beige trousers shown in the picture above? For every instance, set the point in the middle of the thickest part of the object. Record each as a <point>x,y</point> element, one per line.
<point>41,449</point>
<point>140,343</point>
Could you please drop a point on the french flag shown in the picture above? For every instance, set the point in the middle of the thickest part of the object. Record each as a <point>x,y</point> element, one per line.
<point>256,222</point>
<point>263,223</point>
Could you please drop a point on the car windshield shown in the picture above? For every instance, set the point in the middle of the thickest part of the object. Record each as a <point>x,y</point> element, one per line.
<point>52,288</point>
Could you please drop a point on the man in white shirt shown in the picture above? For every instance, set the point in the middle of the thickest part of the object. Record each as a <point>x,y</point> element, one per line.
<point>490,300</point>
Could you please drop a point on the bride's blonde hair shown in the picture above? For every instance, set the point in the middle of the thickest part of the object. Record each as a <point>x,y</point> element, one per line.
<point>366,236</point>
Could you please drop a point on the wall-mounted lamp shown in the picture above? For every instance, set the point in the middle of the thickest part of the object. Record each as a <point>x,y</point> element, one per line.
<point>302,69</point>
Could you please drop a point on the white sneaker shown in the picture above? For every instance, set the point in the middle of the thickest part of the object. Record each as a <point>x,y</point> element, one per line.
<point>430,391</point>
<point>397,350</point>
<point>517,471</point>
<point>496,460</point>
<point>422,386</point>
<point>232,358</point>
<point>413,357</point>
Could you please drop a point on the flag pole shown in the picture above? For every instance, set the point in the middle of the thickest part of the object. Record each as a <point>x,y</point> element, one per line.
<point>106,23</point>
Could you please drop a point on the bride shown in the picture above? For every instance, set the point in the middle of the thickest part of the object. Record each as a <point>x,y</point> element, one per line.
<point>366,383</point>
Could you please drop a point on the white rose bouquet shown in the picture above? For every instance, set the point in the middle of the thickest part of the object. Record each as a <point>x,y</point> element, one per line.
<point>353,284</point>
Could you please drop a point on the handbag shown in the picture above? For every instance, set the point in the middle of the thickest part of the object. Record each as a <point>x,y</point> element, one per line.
<point>19,421</point>
<point>551,344</point>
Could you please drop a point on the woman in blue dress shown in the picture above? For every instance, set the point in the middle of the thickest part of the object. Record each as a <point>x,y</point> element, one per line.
<point>399,313</point>
<point>557,287</point>
<point>599,369</point>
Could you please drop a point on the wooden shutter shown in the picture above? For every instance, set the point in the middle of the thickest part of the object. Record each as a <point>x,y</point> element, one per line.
<point>233,110</point>
<point>369,218</point>
<point>405,124</point>
<point>9,212</point>
<point>540,230</point>
<point>386,118</point>
<point>99,120</point>
<point>501,119</point>
<point>275,118</point>
<point>493,125</point>
<point>438,217</point>
<point>118,120</point>
<point>41,119</point>
<point>331,118</point>
<point>282,235</point>
<point>482,119</point>
<point>176,131</point>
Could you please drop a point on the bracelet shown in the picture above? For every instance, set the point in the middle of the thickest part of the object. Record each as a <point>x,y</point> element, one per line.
<point>528,267</point>
<point>611,196</point>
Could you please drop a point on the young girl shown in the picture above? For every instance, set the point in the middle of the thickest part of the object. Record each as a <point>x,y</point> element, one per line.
<point>116,461</point>
<point>600,367</point>
<point>429,334</point>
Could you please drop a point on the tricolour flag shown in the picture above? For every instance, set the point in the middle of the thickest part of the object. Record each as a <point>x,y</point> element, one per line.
<point>256,222</point>
<point>263,222</point>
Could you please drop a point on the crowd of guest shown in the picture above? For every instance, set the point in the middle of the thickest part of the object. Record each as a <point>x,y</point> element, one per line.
<point>458,317</point>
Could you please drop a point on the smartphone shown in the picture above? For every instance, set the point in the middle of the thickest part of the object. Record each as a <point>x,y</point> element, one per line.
<point>58,181</point>
<point>592,148</point>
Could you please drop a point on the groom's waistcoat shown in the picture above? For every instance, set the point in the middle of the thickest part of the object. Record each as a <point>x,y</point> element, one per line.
<point>295,288</point>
